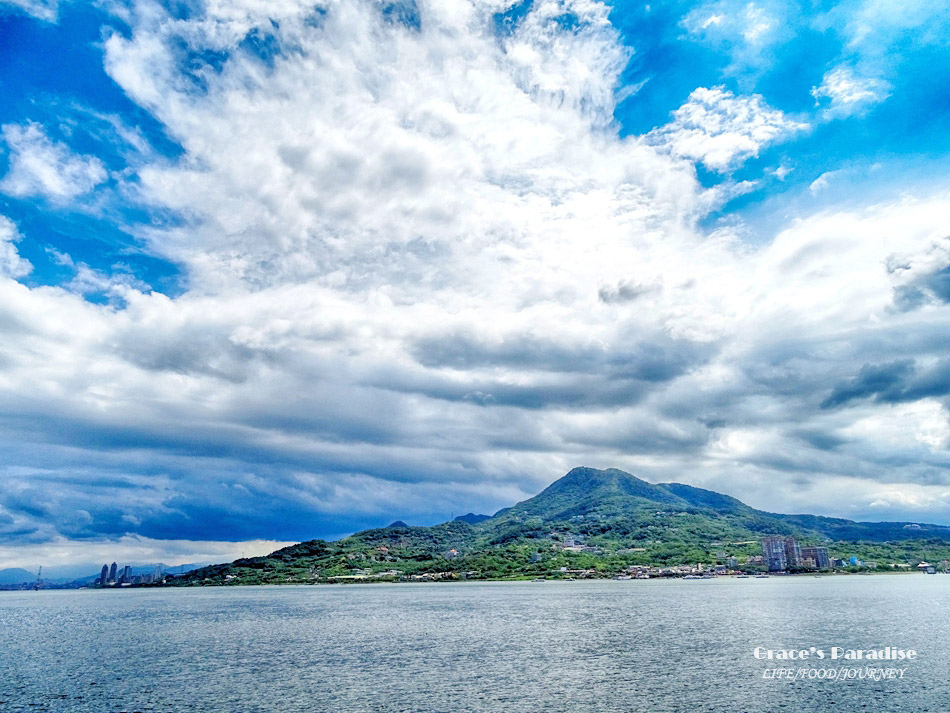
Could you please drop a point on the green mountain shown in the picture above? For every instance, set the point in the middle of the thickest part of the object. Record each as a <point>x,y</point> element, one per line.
<point>600,520</point>
<point>471,518</point>
<point>586,491</point>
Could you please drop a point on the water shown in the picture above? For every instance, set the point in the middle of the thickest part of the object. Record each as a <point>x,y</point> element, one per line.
<point>598,646</point>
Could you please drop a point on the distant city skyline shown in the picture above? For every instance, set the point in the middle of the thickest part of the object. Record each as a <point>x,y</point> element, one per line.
<point>280,271</point>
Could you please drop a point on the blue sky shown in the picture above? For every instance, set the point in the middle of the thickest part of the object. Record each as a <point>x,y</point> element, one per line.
<point>275,271</point>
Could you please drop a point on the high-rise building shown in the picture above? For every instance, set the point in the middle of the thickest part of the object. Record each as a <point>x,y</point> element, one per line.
<point>819,555</point>
<point>773,553</point>
<point>126,574</point>
<point>112,572</point>
<point>793,553</point>
<point>104,575</point>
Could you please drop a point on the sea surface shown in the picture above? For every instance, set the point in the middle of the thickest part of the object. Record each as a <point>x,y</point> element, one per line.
<point>597,646</point>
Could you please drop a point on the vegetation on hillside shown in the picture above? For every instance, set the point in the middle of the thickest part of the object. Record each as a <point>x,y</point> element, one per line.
<point>590,521</point>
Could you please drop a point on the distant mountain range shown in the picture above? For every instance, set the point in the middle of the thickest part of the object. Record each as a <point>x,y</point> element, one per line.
<point>15,575</point>
<point>595,519</point>
<point>609,494</point>
<point>471,518</point>
<point>137,571</point>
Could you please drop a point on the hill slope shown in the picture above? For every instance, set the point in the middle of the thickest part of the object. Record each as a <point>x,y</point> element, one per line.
<point>600,519</point>
<point>15,575</point>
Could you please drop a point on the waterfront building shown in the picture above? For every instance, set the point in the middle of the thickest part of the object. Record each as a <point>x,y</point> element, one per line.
<point>112,572</point>
<point>104,575</point>
<point>819,555</point>
<point>793,553</point>
<point>773,553</point>
<point>126,574</point>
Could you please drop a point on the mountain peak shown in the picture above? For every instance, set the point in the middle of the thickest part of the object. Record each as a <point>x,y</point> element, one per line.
<point>590,481</point>
<point>471,518</point>
<point>585,490</point>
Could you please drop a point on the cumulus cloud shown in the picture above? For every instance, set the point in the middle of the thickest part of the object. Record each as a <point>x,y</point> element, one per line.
<point>849,94</point>
<point>721,130</point>
<point>43,9</point>
<point>893,382</point>
<point>921,278</point>
<point>423,274</point>
<point>40,166</point>
<point>11,264</point>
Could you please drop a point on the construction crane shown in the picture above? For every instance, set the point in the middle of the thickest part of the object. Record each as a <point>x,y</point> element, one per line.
<point>39,574</point>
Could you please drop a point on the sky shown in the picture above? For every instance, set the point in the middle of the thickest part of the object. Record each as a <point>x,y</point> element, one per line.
<point>275,270</point>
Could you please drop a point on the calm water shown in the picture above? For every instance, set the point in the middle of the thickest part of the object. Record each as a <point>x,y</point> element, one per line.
<point>650,646</point>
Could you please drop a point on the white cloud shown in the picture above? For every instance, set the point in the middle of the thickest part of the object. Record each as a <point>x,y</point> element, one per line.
<point>745,31</point>
<point>849,94</point>
<point>43,9</point>
<point>874,26</point>
<point>68,558</point>
<point>736,21</point>
<point>11,264</point>
<point>823,181</point>
<point>721,130</point>
<point>42,167</point>
<point>781,172</point>
<point>423,274</point>
<point>758,23</point>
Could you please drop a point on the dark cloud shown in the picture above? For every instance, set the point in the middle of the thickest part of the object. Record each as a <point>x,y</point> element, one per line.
<point>939,284</point>
<point>892,382</point>
<point>823,440</point>
<point>624,292</point>
<point>931,287</point>
<point>650,359</point>
<point>908,298</point>
<point>873,380</point>
<point>641,436</point>
<point>197,349</point>
<point>548,374</point>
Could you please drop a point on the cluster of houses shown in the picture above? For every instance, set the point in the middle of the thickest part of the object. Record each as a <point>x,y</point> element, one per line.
<point>779,554</point>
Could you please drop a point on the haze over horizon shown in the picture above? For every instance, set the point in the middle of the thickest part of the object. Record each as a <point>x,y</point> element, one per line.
<point>275,271</point>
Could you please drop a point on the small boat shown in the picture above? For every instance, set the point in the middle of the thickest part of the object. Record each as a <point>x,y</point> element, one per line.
<point>539,579</point>
<point>743,576</point>
<point>692,576</point>
<point>761,576</point>
<point>623,576</point>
